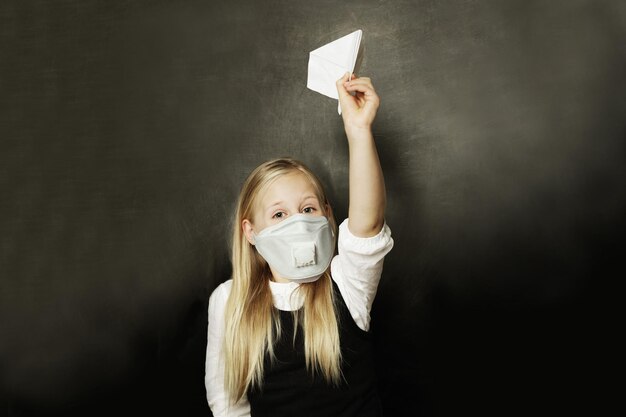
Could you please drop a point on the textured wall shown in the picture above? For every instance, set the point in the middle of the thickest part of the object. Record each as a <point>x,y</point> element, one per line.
<point>126,129</point>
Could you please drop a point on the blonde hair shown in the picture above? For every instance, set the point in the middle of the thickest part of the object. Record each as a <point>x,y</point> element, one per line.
<point>252,323</point>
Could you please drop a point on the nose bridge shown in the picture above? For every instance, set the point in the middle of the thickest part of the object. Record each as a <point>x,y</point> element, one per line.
<point>299,226</point>
<point>293,209</point>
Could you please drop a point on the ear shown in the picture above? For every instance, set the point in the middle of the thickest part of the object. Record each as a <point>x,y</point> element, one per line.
<point>248,230</point>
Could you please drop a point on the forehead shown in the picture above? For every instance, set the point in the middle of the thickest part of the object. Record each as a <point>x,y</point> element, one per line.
<point>290,187</point>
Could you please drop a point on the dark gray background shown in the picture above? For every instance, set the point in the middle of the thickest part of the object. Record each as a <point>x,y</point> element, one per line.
<point>127,128</point>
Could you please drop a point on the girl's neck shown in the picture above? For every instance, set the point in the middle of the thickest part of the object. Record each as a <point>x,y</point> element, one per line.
<point>280,280</point>
<point>277,278</point>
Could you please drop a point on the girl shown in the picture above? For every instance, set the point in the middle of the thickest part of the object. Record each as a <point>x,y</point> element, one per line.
<point>287,334</point>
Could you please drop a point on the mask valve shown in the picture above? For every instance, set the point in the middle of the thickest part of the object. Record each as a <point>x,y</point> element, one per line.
<point>303,254</point>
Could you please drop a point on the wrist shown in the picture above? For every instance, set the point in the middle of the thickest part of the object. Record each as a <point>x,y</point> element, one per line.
<point>358,131</point>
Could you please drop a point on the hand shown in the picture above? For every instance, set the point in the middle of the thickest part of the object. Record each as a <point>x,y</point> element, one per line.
<point>358,111</point>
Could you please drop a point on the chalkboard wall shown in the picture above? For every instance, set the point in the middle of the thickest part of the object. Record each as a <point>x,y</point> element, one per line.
<point>127,128</point>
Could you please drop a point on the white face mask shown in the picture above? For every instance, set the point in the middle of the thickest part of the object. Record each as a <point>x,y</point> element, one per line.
<point>299,248</point>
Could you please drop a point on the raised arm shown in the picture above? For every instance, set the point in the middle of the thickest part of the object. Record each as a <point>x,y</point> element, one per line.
<point>366,210</point>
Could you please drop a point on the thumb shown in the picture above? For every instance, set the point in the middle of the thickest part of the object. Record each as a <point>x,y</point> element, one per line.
<point>340,87</point>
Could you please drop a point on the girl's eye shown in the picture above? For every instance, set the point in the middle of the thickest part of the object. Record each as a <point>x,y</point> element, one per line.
<point>308,210</point>
<point>278,215</point>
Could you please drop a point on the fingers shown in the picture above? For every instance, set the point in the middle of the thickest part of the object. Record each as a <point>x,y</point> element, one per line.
<point>340,84</point>
<point>344,78</point>
<point>352,83</point>
<point>358,100</point>
<point>348,79</point>
<point>362,86</point>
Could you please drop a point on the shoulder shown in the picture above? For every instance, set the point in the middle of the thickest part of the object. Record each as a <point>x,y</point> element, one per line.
<point>223,288</point>
<point>219,296</point>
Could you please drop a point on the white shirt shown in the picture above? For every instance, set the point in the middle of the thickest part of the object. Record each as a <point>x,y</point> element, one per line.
<point>356,270</point>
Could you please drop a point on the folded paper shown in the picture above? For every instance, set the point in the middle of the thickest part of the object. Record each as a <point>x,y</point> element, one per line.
<point>330,62</point>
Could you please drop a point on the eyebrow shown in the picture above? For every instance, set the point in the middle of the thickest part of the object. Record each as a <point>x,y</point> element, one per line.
<point>277,203</point>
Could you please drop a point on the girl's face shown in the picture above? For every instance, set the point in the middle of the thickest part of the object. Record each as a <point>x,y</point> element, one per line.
<point>290,194</point>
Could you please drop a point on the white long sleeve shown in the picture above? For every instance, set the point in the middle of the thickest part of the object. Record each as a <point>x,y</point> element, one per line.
<point>356,270</point>
<point>214,365</point>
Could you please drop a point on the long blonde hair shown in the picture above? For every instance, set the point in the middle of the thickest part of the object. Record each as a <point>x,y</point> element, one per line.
<point>252,323</point>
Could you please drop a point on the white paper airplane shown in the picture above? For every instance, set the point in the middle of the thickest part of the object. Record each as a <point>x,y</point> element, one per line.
<point>330,62</point>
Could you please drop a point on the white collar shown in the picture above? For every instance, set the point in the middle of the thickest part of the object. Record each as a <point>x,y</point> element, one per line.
<point>284,296</point>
